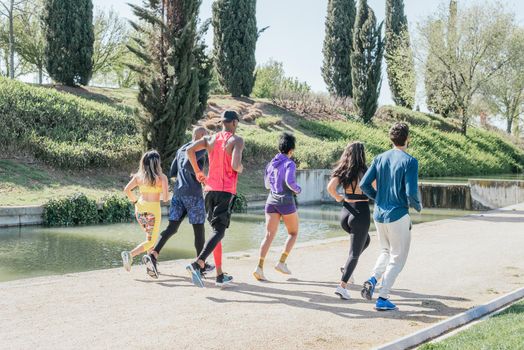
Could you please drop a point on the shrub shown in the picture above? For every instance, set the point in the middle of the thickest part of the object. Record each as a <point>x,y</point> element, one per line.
<point>268,79</point>
<point>240,203</point>
<point>396,114</point>
<point>65,130</point>
<point>76,209</point>
<point>268,122</point>
<point>116,209</point>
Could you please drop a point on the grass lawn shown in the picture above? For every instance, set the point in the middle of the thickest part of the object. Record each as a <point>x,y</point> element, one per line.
<point>23,183</point>
<point>502,331</point>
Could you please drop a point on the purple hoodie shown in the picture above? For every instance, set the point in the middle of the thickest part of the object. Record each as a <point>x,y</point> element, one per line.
<point>280,179</point>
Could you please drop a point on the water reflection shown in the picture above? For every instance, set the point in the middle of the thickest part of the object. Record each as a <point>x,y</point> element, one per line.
<point>37,251</point>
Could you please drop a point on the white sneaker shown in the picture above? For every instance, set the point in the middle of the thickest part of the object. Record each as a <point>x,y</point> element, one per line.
<point>282,267</point>
<point>342,293</point>
<point>259,274</point>
<point>126,260</point>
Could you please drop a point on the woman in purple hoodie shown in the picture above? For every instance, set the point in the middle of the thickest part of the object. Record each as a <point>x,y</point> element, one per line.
<point>280,180</point>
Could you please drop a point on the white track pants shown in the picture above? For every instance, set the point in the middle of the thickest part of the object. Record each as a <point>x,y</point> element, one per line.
<point>395,239</point>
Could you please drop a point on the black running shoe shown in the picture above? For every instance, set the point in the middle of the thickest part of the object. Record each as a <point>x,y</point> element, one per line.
<point>155,263</point>
<point>207,268</point>
<point>150,267</point>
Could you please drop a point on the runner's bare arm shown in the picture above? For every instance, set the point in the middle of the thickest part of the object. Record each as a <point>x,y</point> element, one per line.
<point>236,159</point>
<point>128,190</point>
<point>203,143</point>
<point>165,188</point>
<point>332,189</point>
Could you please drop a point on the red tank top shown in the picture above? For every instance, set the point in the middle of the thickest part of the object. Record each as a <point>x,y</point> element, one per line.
<point>221,175</point>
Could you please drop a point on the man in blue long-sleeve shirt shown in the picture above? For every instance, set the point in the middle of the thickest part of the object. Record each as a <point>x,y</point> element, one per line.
<point>396,174</point>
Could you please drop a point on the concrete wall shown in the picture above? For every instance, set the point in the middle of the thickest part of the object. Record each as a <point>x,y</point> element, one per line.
<point>475,195</point>
<point>496,193</point>
<point>32,215</point>
<point>19,216</point>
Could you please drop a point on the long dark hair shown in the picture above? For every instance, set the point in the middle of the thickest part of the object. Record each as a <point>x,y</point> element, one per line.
<point>352,164</point>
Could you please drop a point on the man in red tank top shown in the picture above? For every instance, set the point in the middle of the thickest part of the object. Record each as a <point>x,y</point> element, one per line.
<point>225,163</point>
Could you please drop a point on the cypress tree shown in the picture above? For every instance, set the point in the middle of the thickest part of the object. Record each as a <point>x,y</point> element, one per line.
<point>69,37</point>
<point>205,70</point>
<point>338,44</point>
<point>366,62</point>
<point>167,45</point>
<point>399,57</point>
<point>235,39</point>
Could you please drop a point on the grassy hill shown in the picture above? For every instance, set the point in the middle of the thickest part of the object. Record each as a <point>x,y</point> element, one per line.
<point>59,142</point>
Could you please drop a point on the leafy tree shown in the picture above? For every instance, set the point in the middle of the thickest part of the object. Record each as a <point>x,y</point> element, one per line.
<point>269,78</point>
<point>205,66</point>
<point>366,62</point>
<point>463,53</point>
<point>10,9</point>
<point>235,40</point>
<point>111,37</point>
<point>338,44</point>
<point>399,56</point>
<point>504,92</point>
<point>30,44</point>
<point>168,71</point>
<point>69,40</point>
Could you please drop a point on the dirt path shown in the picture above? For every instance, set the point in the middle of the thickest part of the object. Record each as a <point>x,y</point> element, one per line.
<point>453,265</point>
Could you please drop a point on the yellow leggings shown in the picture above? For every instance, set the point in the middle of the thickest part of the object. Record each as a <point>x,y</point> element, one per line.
<point>149,215</point>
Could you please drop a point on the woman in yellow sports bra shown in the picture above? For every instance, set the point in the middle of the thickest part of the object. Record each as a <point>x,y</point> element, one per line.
<point>152,185</point>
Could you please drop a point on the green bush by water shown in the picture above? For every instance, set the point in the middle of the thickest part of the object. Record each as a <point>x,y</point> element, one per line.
<point>64,130</point>
<point>239,204</point>
<point>78,209</point>
<point>115,209</point>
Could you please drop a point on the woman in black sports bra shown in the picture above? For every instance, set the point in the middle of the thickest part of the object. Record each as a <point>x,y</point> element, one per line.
<point>355,215</point>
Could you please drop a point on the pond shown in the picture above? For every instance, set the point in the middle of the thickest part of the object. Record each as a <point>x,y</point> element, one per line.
<point>37,251</point>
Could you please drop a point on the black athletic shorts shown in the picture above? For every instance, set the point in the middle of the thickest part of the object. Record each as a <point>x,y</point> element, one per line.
<point>218,207</point>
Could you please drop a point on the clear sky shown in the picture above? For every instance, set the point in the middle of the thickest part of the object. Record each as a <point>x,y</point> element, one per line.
<point>296,31</point>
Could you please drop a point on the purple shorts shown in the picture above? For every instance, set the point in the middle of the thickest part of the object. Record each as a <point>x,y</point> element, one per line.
<point>282,209</point>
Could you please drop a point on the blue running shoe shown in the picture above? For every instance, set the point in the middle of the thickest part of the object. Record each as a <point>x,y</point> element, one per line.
<point>384,305</point>
<point>194,272</point>
<point>368,288</point>
<point>223,280</point>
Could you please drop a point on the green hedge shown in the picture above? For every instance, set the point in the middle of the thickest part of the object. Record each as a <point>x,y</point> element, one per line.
<point>64,130</point>
<point>78,209</point>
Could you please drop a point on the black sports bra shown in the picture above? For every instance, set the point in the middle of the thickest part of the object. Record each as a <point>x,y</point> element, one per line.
<point>355,196</point>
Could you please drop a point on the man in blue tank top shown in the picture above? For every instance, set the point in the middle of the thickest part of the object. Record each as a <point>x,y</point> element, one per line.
<point>396,174</point>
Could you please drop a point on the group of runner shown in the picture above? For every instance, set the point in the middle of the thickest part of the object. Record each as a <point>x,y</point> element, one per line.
<point>391,181</point>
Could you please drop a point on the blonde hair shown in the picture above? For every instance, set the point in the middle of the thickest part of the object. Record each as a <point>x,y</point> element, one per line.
<point>150,168</point>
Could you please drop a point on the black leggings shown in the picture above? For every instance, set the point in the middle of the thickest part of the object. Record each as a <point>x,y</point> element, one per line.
<point>219,231</point>
<point>172,228</point>
<point>355,220</point>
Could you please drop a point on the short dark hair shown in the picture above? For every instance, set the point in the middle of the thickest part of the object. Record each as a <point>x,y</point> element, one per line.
<point>286,142</point>
<point>229,116</point>
<point>399,133</point>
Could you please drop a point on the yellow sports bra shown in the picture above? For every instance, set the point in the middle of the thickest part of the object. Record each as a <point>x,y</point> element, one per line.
<point>150,189</point>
